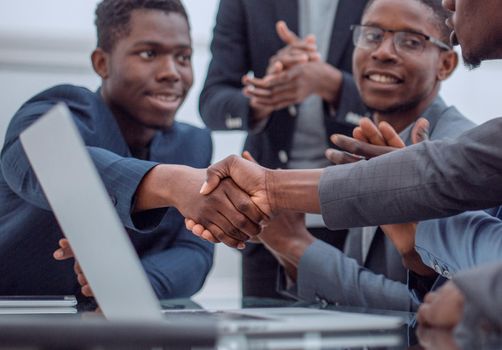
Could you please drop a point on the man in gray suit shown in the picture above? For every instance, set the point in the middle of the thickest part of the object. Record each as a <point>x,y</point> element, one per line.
<point>431,179</point>
<point>370,273</point>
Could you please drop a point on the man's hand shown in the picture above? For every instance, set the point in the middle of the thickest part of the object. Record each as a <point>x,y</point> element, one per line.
<point>294,73</point>
<point>287,238</point>
<point>443,308</point>
<point>291,86</point>
<point>371,141</point>
<point>65,252</point>
<point>228,212</point>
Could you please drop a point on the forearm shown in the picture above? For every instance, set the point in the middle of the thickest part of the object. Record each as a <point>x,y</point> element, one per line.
<point>294,190</point>
<point>460,242</point>
<point>161,187</point>
<point>327,273</point>
<point>423,181</point>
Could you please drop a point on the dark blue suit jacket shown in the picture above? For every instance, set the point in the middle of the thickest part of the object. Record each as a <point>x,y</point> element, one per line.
<point>244,40</point>
<point>176,262</point>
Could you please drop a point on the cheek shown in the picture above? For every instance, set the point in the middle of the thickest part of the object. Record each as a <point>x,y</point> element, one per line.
<point>186,74</point>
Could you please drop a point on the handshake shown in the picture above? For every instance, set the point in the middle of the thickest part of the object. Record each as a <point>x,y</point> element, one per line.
<point>236,199</point>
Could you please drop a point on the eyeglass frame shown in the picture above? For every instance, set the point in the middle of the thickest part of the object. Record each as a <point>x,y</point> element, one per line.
<point>428,38</point>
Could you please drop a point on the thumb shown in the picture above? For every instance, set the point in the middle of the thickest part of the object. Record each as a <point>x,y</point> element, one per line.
<point>247,156</point>
<point>216,173</point>
<point>286,35</point>
<point>420,131</point>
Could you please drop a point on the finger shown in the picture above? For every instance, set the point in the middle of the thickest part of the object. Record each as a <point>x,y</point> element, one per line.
<point>216,235</point>
<point>77,269</point>
<point>275,67</point>
<point>371,132</point>
<point>420,131</point>
<point>390,135</point>
<point>64,252</point>
<point>359,148</point>
<point>286,35</point>
<point>251,216</point>
<point>198,229</point>
<point>81,279</point>
<point>424,314</point>
<point>253,91</point>
<point>189,224</point>
<point>208,236</point>
<point>341,157</point>
<point>288,61</point>
<point>315,57</point>
<point>215,173</point>
<point>87,291</point>
<point>358,134</point>
<point>247,155</point>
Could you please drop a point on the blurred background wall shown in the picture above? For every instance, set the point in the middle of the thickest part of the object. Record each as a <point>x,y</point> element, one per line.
<point>44,43</point>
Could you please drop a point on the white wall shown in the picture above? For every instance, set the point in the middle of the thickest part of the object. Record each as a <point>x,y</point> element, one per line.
<point>43,43</point>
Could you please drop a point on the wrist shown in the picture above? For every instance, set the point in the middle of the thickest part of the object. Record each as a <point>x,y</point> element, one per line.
<point>295,190</point>
<point>158,187</point>
<point>330,84</point>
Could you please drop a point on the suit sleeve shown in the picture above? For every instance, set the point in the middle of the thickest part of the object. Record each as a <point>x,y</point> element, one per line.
<point>222,104</point>
<point>120,175</point>
<point>180,270</point>
<point>460,242</point>
<point>482,289</point>
<point>423,181</point>
<point>325,273</point>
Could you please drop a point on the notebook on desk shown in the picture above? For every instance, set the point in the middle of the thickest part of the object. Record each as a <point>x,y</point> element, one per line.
<point>76,193</point>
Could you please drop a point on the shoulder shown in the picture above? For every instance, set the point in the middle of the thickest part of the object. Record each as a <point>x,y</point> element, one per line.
<point>64,93</point>
<point>451,124</point>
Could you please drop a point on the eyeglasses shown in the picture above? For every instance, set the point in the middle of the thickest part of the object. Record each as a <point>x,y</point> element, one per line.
<point>408,43</point>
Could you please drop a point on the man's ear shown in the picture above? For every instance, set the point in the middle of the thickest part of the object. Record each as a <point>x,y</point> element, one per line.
<point>448,61</point>
<point>100,64</point>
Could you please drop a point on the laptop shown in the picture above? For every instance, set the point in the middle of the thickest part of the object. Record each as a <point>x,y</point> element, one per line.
<point>76,193</point>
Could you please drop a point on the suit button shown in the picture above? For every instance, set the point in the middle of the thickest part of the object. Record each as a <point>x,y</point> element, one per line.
<point>292,111</point>
<point>283,156</point>
<point>446,273</point>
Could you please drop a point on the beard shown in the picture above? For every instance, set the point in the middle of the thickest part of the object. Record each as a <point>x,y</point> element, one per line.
<point>471,62</point>
<point>396,108</point>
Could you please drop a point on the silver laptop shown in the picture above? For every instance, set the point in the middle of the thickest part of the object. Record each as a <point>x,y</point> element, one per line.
<point>76,193</point>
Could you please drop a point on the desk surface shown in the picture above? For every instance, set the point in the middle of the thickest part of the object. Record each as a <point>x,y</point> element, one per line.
<point>89,330</point>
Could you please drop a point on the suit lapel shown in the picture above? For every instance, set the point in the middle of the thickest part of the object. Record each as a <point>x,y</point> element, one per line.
<point>287,10</point>
<point>348,13</point>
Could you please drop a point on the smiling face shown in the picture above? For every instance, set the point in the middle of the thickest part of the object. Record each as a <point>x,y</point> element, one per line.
<point>477,26</point>
<point>396,83</point>
<point>148,73</point>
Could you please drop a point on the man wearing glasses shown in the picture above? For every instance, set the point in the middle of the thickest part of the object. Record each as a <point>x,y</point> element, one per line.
<point>399,64</point>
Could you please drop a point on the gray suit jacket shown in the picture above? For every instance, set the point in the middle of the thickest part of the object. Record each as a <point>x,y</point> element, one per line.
<point>429,180</point>
<point>373,276</point>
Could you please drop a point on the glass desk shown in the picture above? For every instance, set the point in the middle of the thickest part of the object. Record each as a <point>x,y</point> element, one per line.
<point>87,329</point>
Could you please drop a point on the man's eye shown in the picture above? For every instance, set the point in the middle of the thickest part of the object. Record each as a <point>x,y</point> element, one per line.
<point>147,54</point>
<point>411,43</point>
<point>372,37</point>
<point>184,59</point>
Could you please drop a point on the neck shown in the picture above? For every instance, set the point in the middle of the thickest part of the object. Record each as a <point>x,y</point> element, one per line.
<point>136,136</point>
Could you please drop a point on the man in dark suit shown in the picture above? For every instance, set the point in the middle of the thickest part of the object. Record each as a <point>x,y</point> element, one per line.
<point>289,115</point>
<point>143,57</point>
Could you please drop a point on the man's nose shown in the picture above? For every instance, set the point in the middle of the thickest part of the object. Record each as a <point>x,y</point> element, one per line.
<point>168,69</point>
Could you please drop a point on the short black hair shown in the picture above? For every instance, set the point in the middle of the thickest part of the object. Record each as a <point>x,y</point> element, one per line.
<point>440,16</point>
<point>113,16</point>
